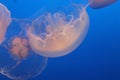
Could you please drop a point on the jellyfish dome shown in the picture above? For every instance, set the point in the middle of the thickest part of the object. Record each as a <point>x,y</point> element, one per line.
<point>59,33</point>
<point>17,59</point>
<point>96,4</point>
<point>5,19</point>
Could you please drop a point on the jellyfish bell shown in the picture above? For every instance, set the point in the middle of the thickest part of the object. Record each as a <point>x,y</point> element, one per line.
<point>5,20</point>
<point>96,4</point>
<point>17,60</point>
<point>58,34</point>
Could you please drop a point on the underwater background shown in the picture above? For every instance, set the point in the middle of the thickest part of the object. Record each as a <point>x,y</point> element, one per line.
<point>97,58</point>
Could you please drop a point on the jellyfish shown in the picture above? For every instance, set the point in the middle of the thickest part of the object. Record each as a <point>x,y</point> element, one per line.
<point>5,20</point>
<point>59,33</point>
<point>96,4</point>
<point>17,59</point>
<point>22,62</point>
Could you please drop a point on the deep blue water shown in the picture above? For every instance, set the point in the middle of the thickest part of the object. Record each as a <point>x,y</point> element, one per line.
<point>97,58</point>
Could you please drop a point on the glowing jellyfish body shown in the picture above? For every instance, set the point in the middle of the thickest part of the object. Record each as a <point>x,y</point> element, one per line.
<point>17,59</point>
<point>5,19</point>
<point>101,3</point>
<point>54,35</point>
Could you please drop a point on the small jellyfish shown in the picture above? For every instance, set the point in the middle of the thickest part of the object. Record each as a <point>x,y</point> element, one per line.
<point>59,33</point>
<point>5,19</point>
<point>96,4</point>
<point>17,59</point>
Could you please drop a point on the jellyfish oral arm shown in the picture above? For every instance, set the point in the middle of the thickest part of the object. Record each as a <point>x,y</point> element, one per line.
<point>96,4</point>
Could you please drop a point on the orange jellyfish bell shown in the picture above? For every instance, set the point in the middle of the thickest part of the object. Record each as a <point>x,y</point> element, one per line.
<point>53,35</point>
<point>96,4</point>
<point>5,20</point>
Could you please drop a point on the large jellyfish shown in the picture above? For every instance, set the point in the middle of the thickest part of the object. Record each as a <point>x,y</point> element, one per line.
<point>17,59</point>
<point>5,19</point>
<point>59,33</point>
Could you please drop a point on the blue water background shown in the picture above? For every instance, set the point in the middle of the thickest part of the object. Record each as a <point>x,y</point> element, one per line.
<point>97,58</point>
